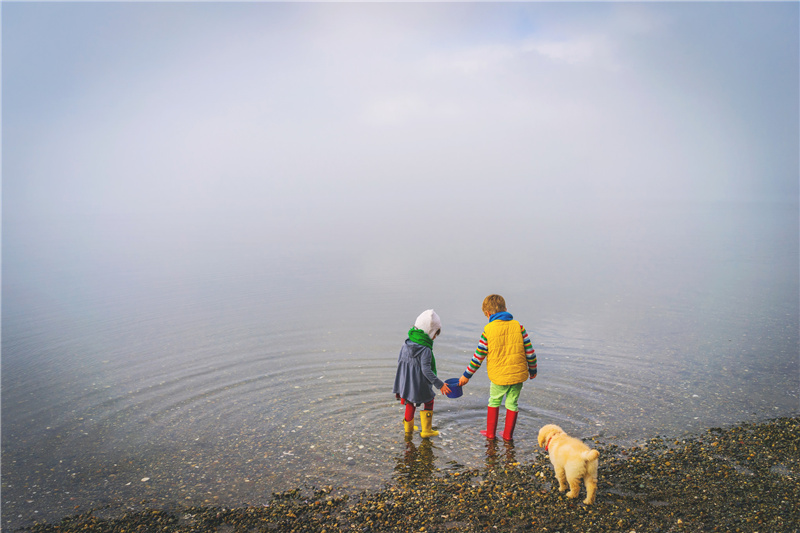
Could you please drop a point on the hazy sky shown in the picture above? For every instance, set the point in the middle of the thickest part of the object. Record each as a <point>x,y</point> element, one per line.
<point>295,112</point>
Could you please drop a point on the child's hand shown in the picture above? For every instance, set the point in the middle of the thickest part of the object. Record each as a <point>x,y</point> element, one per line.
<point>445,389</point>
<point>463,380</point>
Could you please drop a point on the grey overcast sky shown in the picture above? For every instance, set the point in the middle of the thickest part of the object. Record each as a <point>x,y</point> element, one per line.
<point>296,110</point>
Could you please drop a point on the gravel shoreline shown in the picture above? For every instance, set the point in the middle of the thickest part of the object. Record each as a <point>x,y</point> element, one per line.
<point>744,478</point>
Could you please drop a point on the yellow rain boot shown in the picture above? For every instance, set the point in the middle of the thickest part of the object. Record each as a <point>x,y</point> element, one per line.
<point>427,423</point>
<point>409,426</point>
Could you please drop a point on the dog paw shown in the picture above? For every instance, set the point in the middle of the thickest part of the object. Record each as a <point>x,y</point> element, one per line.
<point>587,501</point>
<point>571,494</point>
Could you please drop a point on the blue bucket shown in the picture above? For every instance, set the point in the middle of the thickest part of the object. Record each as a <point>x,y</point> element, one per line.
<point>455,388</point>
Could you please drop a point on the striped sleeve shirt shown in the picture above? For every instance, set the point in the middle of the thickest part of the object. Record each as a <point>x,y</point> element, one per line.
<point>483,349</point>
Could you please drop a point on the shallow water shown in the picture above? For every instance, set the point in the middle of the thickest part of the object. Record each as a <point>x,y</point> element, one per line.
<point>140,367</point>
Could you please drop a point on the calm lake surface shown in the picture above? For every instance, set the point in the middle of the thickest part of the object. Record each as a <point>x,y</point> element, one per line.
<point>226,362</point>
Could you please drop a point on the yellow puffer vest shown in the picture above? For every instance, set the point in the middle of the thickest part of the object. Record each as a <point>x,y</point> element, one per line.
<point>505,362</point>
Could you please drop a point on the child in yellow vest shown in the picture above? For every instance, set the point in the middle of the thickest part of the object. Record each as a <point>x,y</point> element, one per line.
<point>510,361</point>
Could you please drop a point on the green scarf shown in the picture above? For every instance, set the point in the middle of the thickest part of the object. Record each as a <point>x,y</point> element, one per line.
<point>420,337</point>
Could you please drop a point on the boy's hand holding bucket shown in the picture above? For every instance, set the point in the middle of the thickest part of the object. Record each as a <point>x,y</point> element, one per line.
<point>453,388</point>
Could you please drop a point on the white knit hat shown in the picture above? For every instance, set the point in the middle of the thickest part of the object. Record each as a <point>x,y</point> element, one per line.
<point>429,322</point>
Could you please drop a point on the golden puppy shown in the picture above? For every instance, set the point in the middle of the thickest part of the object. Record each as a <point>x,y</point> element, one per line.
<point>572,461</point>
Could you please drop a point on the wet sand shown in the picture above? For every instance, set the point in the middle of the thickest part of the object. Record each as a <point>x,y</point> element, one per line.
<point>744,478</point>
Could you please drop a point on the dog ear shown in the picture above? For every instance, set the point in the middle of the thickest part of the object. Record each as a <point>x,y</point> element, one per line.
<point>544,433</point>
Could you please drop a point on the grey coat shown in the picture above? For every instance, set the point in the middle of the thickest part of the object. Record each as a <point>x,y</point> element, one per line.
<point>414,375</point>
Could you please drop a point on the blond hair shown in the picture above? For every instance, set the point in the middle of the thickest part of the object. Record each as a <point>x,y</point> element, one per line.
<point>494,303</point>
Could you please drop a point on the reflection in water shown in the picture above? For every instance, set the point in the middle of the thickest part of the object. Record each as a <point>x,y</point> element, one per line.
<point>499,453</point>
<point>417,463</point>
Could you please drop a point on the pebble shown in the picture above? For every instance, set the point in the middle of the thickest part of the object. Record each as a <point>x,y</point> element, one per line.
<point>692,484</point>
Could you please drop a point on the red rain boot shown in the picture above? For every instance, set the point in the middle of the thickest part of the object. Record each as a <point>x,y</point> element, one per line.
<point>491,422</point>
<point>511,423</point>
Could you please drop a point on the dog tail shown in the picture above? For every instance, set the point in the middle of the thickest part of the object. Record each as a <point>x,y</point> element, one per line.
<point>590,455</point>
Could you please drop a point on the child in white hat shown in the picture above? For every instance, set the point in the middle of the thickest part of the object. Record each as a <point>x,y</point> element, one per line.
<point>416,373</point>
